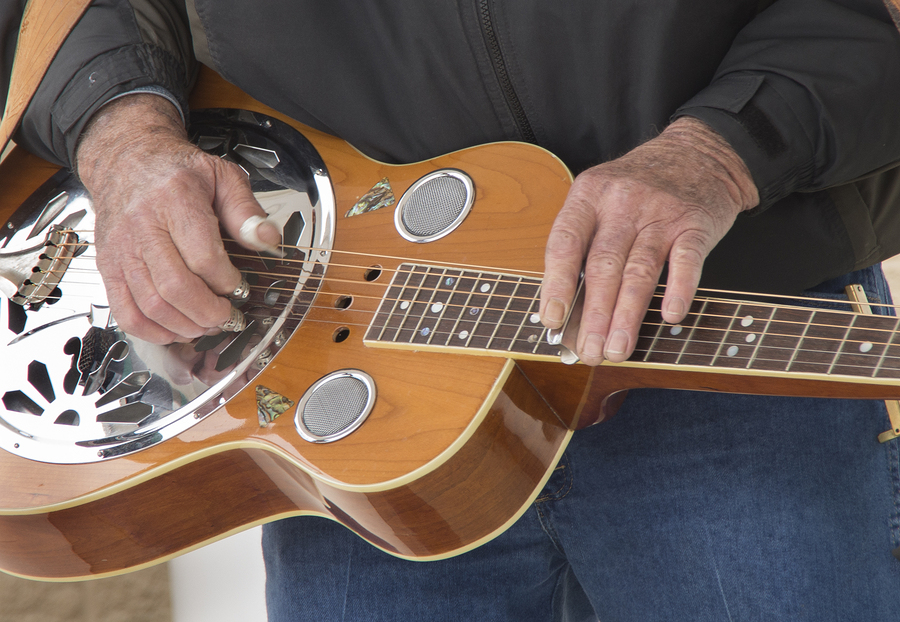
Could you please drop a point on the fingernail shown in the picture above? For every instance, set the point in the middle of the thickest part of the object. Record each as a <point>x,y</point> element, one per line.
<point>593,346</point>
<point>250,233</point>
<point>675,307</point>
<point>618,341</point>
<point>555,313</point>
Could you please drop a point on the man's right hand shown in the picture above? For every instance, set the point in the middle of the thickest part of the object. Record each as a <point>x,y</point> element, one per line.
<point>158,201</point>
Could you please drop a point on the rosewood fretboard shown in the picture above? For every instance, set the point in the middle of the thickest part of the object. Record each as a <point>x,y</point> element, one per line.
<point>434,307</point>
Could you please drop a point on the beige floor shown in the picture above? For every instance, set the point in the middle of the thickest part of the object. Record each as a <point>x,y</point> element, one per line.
<point>138,597</point>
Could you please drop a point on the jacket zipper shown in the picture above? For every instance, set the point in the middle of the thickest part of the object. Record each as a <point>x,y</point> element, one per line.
<point>512,99</point>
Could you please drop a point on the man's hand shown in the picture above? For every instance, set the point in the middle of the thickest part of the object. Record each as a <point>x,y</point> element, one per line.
<point>673,198</point>
<point>159,200</point>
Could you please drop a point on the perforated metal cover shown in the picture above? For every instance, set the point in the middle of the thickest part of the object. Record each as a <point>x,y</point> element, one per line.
<point>434,206</point>
<point>335,406</point>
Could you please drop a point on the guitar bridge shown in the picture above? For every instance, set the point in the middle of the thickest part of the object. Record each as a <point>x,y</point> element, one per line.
<point>30,276</point>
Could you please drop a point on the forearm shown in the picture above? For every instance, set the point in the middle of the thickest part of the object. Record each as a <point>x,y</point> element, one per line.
<point>123,129</point>
<point>118,46</point>
<point>808,95</point>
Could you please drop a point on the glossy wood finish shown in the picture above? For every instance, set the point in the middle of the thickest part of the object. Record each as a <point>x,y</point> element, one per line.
<point>464,501</point>
<point>455,448</point>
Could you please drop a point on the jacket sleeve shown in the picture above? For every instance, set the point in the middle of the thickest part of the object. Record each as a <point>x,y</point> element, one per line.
<point>809,95</point>
<point>119,46</point>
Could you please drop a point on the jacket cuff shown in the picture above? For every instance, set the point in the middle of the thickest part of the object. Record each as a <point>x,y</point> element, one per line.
<point>107,77</point>
<point>762,118</point>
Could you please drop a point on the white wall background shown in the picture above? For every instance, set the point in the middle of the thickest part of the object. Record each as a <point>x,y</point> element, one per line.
<point>222,582</point>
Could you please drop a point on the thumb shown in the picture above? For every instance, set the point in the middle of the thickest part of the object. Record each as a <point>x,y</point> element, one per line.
<point>240,213</point>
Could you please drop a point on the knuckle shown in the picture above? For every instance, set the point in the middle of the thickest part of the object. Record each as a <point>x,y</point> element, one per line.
<point>603,260</point>
<point>641,270</point>
<point>172,288</point>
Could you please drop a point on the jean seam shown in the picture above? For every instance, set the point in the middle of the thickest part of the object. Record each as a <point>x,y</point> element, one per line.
<point>564,488</point>
<point>893,456</point>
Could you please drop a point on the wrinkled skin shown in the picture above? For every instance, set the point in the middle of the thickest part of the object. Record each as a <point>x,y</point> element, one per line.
<point>672,198</point>
<point>159,201</point>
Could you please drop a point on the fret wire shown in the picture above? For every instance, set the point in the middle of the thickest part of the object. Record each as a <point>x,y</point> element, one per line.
<point>443,307</point>
<point>802,350</point>
<point>725,334</point>
<point>837,352</point>
<point>761,338</point>
<point>411,304</point>
<point>690,334</point>
<point>525,317</point>
<point>428,304</point>
<point>656,337</point>
<point>490,341</point>
<point>800,341</point>
<point>396,301</point>
<point>480,315</point>
<point>456,281</point>
<point>465,306</point>
<point>885,351</point>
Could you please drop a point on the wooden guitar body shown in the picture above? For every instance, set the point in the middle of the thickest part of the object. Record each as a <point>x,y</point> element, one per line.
<point>454,449</point>
<point>459,442</point>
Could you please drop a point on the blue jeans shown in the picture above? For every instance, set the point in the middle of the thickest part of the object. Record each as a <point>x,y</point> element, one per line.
<point>683,507</point>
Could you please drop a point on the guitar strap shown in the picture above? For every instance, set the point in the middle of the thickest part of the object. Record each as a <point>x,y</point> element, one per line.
<point>45,25</point>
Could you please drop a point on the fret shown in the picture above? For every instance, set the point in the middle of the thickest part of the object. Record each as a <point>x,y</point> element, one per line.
<point>436,307</point>
<point>821,342</point>
<point>461,290</point>
<point>741,342</point>
<point>730,351</point>
<point>888,363</point>
<point>708,332</point>
<point>840,347</point>
<point>413,323</point>
<point>392,313</point>
<point>501,290</point>
<point>650,330</point>
<point>473,310</point>
<point>865,346</point>
<point>513,319</point>
<point>672,339</point>
<point>778,344</point>
<point>530,332</point>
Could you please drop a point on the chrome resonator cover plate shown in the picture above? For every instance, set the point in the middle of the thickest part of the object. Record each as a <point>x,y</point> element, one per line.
<point>74,387</point>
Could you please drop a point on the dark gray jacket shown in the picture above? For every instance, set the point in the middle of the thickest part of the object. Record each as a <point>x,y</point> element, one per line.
<point>807,92</point>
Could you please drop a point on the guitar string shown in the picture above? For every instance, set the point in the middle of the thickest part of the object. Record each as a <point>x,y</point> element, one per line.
<point>727,317</point>
<point>746,297</point>
<point>730,302</point>
<point>884,363</point>
<point>487,280</point>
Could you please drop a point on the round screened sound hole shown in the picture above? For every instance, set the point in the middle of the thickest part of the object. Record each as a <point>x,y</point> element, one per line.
<point>434,206</point>
<point>340,335</point>
<point>335,406</point>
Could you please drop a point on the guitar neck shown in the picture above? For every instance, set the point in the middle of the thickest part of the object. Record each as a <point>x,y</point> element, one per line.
<point>495,314</point>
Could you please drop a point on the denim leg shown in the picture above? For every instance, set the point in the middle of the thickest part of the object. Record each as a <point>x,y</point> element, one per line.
<point>319,571</point>
<point>684,507</point>
<point>700,507</point>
